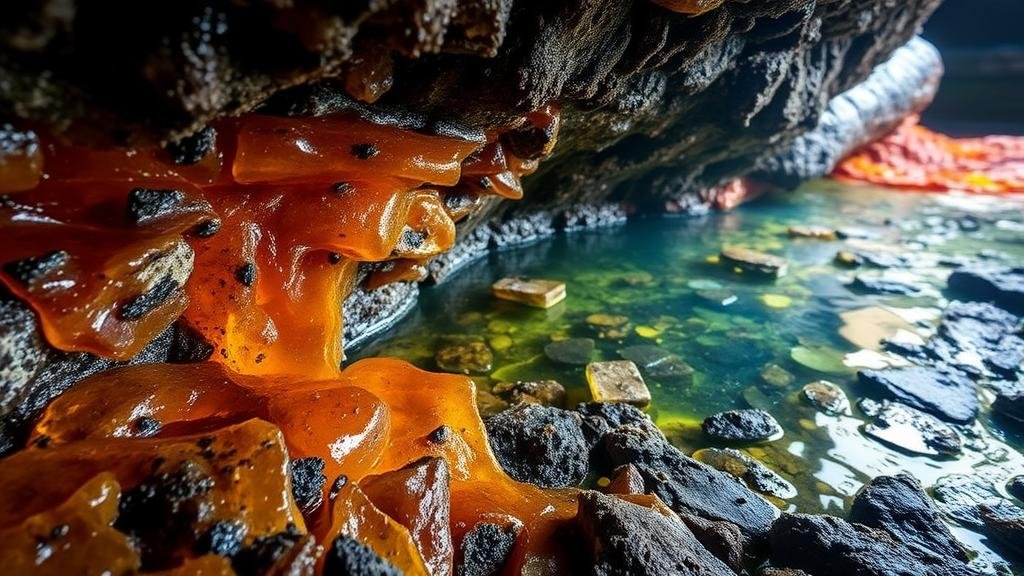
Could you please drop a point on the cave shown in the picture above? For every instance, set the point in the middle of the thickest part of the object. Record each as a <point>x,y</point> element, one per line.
<point>481,287</point>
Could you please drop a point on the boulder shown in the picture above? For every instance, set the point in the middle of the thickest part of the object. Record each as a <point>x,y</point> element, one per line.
<point>748,425</point>
<point>539,444</point>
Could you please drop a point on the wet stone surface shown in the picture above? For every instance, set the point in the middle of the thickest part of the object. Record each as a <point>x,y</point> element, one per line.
<point>909,429</point>
<point>539,444</point>
<point>827,397</point>
<point>751,425</point>
<point>946,394</point>
<point>754,474</point>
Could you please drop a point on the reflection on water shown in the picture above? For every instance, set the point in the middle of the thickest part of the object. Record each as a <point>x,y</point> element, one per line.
<point>664,276</point>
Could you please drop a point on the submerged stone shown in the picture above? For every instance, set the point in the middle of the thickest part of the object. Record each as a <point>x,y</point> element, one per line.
<point>898,505</point>
<point>617,381</point>
<point>539,444</point>
<point>465,358</point>
<point>627,538</point>
<point>754,261</point>
<point>609,325</point>
<point>875,285</point>
<point>820,358</point>
<point>827,397</point>
<point>717,297</point>
<point>868,327</point>
<point>776,375</point>
<point>575,351</point>
<point>749,425</point>
<point>848,259</point>
<point>533,292</point>
<point>546,392</point>
<point>658,363</point>
<point>812,231</point>
<point>946,394</point>
<point>909,429</point>
<point>754,474</point>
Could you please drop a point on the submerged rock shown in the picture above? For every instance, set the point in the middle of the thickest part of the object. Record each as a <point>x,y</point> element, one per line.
<point>910,429</point>
<point>812,231</point>
<point>754,474</point>
<point>626,538</point>
<point>609,325</point>
<point>1004,286</point>
<point>882,286</point>
<point>776,375</point>
<point>748,425</point>
<point>658,363</point>
<point>827,397</point>
<point>465,358</point>
<point>898,505</point>
<point>754,261</point>
<point>540,445</point>
<point>823,545</point>
<point>945,393</point>
<point>530,291</point>
<point>546,392</point>
<point>573,351</point>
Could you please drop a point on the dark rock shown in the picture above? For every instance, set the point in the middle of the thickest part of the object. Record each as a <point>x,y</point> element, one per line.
<point>827,397</point>
<point>910,429</point>
<point>1011,405</point>
<point>465,358</point>
<point>225,538</point>
<point>146,426</point>
<point>961,495</point>
<point>1003,286</point>
<point>881,286</point>
<point>830,545</point>
<point>308,482</point>
<point>287,552</point>
<point>29,270</point>
<point>350,557</point>
<point>137,307</point>
<point>573,351</point>
<point>599,418</point>
<point>485,549</point>
<point>946,394</point>
<point>971,330</point>
<point>754,474</point>
<point>723,539</point>
<point>686,485</point>
<point>146,204</point>
<point>898,505</point>
<point>191,149</point>
<point>1006,525</point>
<point>748,425</point>
<point>1015,487</point>
<point>539,444</point>
<point>855,233</point>
<point>546,392</point>
<point>754,261</point>
<point>625,538</point>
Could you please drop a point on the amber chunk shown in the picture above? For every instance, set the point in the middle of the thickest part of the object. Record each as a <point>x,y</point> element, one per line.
<point>533,292</point>
<point>617,381</point>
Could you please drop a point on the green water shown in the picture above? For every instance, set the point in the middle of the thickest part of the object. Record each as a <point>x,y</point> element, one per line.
<point>658,271</point>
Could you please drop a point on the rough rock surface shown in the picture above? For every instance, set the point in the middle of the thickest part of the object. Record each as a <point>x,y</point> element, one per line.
<point>539,444</point>
<point>1003,286</point>
<point>947,394</point>
<point>626,538</point>
<point>750,425</point>
<point>830,545</point>
<point>909,429</point>
<point>898,505</point>
<point>485,549</point>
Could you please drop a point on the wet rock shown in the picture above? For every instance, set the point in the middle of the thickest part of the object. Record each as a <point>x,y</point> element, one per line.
<point>546,392</point>
<point>1011,405</point>
<point>723,539</point>
<point>533,292</point>
<point>489,404</point>
<point>773,571</point>
<point>961,495</point>
<point>898,505</point>
<point>754,261</point>
<point>717,297</point>
<point>573,351</point>
<point>308,481</point>
<point>626,538</point>
<point>1004,286</point>
<point>827,397</point>
<point>626,480</point>
<point>1005,525</point>
<point>748,425</point>
<point>286,552</point>
<point>812,231</point>
<point>776,375</point>
<point>350,557</point>
<point>947,394</point>
<point>599,418</point>
<point>686,485</point>
<point>909,429</point>
<point>609,325</point>
<point>617,381</point>
<point>540,445</point>
<point>875,285</point>
<point>465,358</point>
<point>970,331</point>
<point>658,363</point>
<point>855,233</point>
<point>485,549</point>
<point>754,474</point>
<point>830,545</point>
<point>1015,487</point>
<point>847,259</point>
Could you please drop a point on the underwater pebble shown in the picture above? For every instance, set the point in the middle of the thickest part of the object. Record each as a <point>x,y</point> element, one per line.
<point>617,381</point>
<point>776,300</point>
<point>532,292</point>
<point>574,351</point>
<point>546,392</point>
<point>719,297</point>
<point>465,358</point>
<point>814,232</point>
<point>608,325</point>
<point>754,261</point>
<point>776,375</point>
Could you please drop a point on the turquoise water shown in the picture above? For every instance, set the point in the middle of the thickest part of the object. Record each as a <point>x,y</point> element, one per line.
<point>663,275</point>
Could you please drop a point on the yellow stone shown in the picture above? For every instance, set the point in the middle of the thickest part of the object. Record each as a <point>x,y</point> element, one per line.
<point>647,332</point>
<point>776,300</point>
<point>532,292</point>
<point>712,259</point>
<point>501,342</point>
<point>808,425</point>
<point>603,482</point>
<point>617,381</point>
